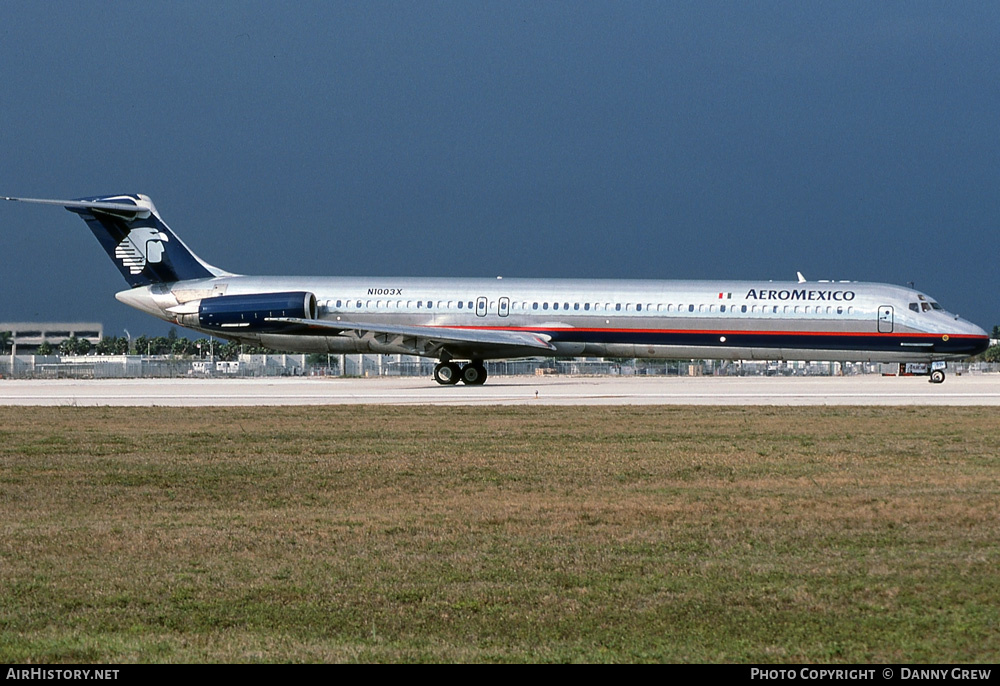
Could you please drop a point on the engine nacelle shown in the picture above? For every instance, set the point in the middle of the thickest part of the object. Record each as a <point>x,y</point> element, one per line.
<point>238,313</point>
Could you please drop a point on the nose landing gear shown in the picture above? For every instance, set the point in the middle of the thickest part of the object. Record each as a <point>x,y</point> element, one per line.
<point>450,373</point>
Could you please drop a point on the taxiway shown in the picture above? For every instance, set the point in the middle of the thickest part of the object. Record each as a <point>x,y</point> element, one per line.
<point>853,390</point>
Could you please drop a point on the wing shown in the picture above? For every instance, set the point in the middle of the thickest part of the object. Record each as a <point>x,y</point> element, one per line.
<point>429,341</point>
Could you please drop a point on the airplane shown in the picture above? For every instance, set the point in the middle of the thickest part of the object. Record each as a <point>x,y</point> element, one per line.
<point>461,322</point>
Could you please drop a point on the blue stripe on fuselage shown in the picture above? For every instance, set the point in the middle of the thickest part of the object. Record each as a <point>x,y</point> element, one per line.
<point>876,342</point>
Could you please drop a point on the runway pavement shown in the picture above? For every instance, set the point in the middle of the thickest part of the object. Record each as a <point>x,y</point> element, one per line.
<point>552,390</point>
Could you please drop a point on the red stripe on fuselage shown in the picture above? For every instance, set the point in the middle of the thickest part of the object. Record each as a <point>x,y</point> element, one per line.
<point>728,332</point>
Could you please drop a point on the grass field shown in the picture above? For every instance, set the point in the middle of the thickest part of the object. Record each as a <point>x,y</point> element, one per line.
<point>499,534</point>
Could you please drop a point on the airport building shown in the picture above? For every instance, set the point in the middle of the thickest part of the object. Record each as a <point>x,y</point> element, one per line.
<point>25,337</point>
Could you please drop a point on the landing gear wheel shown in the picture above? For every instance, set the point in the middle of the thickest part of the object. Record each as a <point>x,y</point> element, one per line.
<point>937,376</point>
<point>447,373</point>
<point>474,374</point>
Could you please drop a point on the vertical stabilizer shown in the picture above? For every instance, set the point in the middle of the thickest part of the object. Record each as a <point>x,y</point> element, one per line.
<point>141,245</point>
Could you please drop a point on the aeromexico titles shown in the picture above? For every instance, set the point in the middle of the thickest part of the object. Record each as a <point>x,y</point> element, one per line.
<point>462,322</point>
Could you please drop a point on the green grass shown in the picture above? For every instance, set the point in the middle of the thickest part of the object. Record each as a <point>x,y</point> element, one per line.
<point>499,534</point>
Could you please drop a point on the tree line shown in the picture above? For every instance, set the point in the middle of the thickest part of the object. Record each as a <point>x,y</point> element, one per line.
<point>171,344</point>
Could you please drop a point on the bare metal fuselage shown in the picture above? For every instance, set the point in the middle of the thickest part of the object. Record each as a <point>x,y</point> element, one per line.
<point>849,321</point>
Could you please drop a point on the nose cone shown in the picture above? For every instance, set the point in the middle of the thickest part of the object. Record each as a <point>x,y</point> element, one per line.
<point>964,326</point>
<point>978,338</point>
<point>140,299</point>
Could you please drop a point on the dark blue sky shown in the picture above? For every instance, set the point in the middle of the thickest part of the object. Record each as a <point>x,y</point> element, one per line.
<point>609,139</point>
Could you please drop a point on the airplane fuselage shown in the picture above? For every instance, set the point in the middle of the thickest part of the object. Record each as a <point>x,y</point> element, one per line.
<point>618,318</point>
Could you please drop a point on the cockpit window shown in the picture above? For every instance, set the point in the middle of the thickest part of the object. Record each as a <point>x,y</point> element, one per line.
<point>915,307</point>
<point>935,306</point>
<point>925,307</point>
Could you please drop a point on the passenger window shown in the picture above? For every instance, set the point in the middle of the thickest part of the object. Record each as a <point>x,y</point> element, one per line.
<point>586,306</point>
<point>618,307</point>
<point>743,309</point>
<point>690,308</point>
<point>545,306</point>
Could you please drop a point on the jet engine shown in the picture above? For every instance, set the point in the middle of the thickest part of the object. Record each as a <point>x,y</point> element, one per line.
<point>246,313</point>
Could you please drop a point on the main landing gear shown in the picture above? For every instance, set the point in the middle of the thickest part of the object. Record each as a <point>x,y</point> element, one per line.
<point>450,373</point>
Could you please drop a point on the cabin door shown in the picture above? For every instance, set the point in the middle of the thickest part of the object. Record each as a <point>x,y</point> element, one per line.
<point>885,319</point>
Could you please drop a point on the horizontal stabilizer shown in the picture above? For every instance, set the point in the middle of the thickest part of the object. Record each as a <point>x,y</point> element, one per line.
<point>137,208</point>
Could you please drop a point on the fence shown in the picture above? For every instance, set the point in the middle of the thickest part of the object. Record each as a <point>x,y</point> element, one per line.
<point>143,366</point>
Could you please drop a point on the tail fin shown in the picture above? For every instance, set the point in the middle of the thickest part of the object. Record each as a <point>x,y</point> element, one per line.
<point>131,231</point>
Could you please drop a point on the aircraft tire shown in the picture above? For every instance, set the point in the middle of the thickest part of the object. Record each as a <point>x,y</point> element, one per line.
<point>447,373</point>
<point>474,374</point>
<point>937,376</point>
